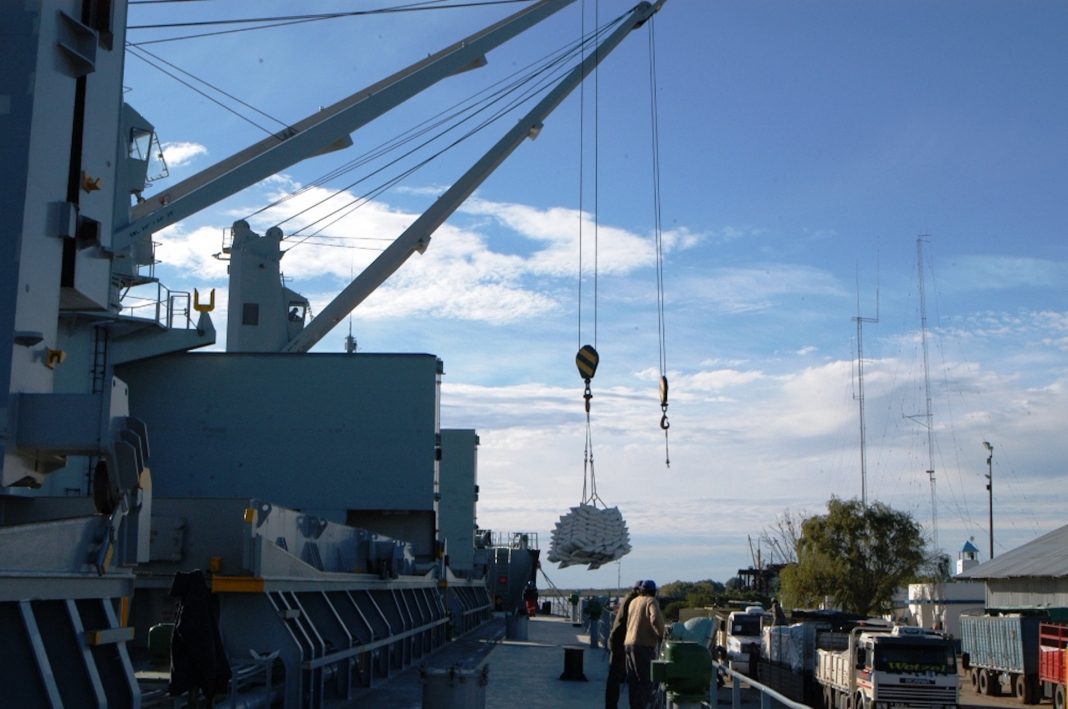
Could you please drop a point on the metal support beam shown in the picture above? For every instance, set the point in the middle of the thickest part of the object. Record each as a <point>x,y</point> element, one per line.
<point>417,236</point>
<point>325,127</point>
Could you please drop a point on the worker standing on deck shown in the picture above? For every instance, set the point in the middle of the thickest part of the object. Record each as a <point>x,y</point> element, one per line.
<point>617,655</point>
<point>530,595</point>
<point>594,609</point>
<point>645,630</point>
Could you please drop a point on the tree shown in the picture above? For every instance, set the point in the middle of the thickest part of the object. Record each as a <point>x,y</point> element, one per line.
<point>858,556</point>
<point>783,537</point>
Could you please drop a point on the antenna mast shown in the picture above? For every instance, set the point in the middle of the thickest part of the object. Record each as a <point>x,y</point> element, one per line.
<point>860,390</point>
<point>927,392</point>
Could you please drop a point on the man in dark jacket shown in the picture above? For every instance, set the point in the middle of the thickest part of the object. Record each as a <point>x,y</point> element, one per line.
<point>617,656</point>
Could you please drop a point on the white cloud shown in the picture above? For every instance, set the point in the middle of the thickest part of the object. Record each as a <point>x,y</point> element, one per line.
<point>1004,272</point>
<point>759,287</point>
<point>460,275</point>
<point>193,251</point>
<point>558,230</point>
<point>750,434</point>
<point>180,154</point>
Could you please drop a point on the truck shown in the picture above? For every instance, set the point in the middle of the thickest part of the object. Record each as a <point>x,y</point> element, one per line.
<point>887,667</point>
<point>1052,677</point>
<point>738,637</point>
<point>1000,654</point>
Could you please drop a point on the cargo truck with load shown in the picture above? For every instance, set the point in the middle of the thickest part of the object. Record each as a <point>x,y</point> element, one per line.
<point>833,661</point>
<point>1000,654</point>
<point>886,666</point>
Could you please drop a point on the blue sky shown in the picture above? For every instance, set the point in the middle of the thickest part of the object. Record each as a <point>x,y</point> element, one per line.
<point>803,148</point>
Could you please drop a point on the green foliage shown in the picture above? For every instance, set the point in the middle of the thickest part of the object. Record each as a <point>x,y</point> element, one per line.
<point>703,594</point>
<point>854,555</point>
<point>671,610</point>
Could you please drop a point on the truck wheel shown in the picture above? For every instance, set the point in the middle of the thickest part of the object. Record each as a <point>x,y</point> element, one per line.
<point>1058,697</point>
<point>973,675</point>
<point>986,682</point>
<point>1021,686</point>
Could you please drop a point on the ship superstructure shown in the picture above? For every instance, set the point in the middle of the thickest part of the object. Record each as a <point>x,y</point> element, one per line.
<point>315,493</point>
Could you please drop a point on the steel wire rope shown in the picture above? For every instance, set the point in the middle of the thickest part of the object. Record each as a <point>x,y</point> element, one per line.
<point>587,453</point>
<point>596,166</point>
<point>286,21</point>
<point>356,203</point>
<point>160,2</point>
<point>331,242</point>
<point>544,79</point>
<point>352,205</point>
<point>659,239</point>
<point>441,118</point>
<point>581,193</point>
<point>496,93</point>
<point>136,51</point>
<point>379,151</point>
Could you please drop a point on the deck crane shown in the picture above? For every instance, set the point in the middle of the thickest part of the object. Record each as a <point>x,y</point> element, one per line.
<point>417,236</point>
<point>325,130</point>
<point>75,243</point>
<point>257,288</point>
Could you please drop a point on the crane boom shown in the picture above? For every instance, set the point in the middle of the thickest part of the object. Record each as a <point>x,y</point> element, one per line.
<point>325,128</point>
<point>417,236</point>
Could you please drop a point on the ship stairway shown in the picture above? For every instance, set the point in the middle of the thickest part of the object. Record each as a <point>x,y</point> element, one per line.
<point>558,595</point>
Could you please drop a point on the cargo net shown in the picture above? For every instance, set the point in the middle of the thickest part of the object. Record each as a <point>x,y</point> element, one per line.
<point>591,533</point>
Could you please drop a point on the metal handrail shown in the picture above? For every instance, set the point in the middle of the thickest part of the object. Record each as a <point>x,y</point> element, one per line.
<point>767,694</point>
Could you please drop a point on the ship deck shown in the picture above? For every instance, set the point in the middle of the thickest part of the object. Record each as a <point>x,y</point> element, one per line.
<point>523,673</point>
<point>520,672</point>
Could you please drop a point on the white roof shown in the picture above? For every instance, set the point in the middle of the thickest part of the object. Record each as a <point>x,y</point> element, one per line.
<point>1046,557</point>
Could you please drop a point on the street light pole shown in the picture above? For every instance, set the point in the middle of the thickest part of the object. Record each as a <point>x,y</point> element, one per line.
<point>990,489</point>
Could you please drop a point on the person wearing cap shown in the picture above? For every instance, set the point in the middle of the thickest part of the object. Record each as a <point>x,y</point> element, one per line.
<point>617,655</point>
<point>645,630</point>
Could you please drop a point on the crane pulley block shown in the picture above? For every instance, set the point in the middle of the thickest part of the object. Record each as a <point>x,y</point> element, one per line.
<point>586,360</point>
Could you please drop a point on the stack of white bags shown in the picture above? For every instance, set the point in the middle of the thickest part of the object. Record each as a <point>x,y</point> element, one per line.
<point>589,535</point>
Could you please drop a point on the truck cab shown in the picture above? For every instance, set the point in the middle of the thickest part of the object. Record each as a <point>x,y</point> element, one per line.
<point>740,637</point>
<point>902,666</point>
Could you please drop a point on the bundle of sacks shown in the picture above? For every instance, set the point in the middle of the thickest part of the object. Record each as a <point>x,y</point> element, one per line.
<point>589,535</point>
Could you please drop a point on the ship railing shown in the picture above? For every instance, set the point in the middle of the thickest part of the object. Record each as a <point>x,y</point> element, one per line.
<point>157,303</point>
<point>508,540</point>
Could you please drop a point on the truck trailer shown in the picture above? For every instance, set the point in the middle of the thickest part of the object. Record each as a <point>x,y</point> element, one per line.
<point>1000,654</point>
<point>1052,677</point>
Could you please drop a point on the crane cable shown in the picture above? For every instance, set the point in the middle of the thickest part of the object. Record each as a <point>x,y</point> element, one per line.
<point>511,94</point>
<point>658,228</point>
<point>587,357</point>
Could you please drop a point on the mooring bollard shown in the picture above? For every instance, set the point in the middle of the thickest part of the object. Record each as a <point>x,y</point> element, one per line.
<point>573,664</point>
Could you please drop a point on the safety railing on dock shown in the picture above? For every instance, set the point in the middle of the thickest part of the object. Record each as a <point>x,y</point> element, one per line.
<point>768,696</point>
